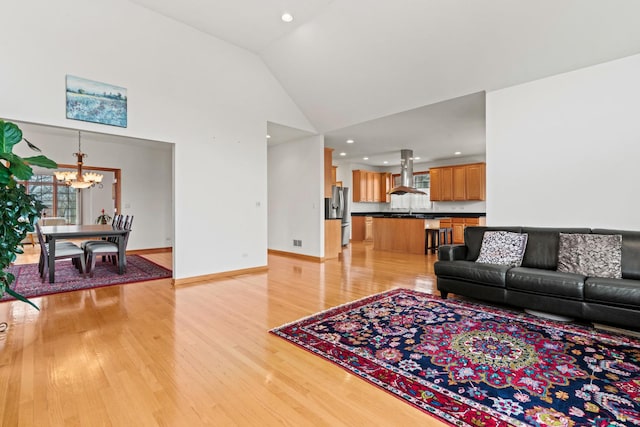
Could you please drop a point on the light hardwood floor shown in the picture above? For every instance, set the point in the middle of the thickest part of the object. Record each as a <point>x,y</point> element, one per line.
<point>146,354</point>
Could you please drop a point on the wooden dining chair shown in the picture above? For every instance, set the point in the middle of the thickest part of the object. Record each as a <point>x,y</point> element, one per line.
<point>64,250</point>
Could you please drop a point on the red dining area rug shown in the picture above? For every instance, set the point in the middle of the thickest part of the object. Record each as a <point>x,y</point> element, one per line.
<point>29,284</point>
<point>473,365</point>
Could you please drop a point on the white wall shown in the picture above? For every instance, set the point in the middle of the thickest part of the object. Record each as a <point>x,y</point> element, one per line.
<point>146,178</point>
<point>563,151</point>
<point>296,196</point>
<point>210,98</point>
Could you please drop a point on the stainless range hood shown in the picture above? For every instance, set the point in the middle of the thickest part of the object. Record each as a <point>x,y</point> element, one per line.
<point>406,175</point>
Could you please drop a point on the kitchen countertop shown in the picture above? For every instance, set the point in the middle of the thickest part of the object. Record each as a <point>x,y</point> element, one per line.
<point>421,215</point>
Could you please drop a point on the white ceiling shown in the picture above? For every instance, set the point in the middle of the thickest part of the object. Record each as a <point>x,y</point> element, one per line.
<point>250,24</point>
<point>347,63</point>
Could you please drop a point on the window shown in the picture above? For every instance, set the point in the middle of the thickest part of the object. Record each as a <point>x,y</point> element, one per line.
<point>66,203</point>
<point>420,180</point>
<point>60,200</point>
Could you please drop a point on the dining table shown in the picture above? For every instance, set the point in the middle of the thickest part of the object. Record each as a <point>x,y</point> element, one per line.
<point>53,233</point>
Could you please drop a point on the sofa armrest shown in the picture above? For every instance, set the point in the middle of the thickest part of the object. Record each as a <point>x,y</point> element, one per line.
<point>452,252</point>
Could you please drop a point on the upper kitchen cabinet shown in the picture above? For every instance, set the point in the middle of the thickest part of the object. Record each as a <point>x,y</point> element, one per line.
<point>359,183</point>
<point>441,184</point>
<point>334,176</point>
<point>369,186</point>
<point>458,183</point>
<point>328,171</point>
<point>386,184</point>
<point>476,181</point>
<point>436,184</point>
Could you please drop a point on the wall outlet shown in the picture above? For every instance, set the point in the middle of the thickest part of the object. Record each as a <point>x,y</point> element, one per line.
<point>297,242</point>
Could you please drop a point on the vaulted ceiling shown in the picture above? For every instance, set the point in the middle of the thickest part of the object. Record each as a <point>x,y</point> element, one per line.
<point>350,62</point>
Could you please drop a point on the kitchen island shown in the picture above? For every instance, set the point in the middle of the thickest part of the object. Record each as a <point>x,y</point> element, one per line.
<point>399,234</point>
<point>404,232</point>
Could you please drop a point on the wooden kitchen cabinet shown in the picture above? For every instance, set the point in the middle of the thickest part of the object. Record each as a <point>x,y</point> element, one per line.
<point>359,184</point>
<point>458,230</point>
<point>377,184</point>
<point>328,181</point>
<point>436,184</point>
<point>386,184</point>
<point>368,228</point>
<point>361,228</point>
<point>445,222</point>
<point>459,224</point>
<point>446,184</point>
<point>357,228</point>
<point>476,181</point>
<point>370,186</point>
<point>459,182</point>
<point>332,238</point>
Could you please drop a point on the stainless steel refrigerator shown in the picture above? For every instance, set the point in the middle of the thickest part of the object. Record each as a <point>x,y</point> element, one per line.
<point>337,207</point>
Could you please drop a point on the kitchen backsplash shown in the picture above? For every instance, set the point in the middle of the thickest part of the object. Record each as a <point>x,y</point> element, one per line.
<point>470,206</point>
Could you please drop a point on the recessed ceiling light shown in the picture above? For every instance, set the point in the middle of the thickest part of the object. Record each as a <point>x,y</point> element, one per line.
<point>287,17</point>
<point>416,158</point>
<point>343,154</point>
<point>365,158</point>
<point>350,141</point>
<point>385,162</point>
<point>457,153</point>
<point>268,136</point>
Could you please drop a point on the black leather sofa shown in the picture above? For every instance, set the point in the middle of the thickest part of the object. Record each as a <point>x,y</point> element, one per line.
<point>537,285</point>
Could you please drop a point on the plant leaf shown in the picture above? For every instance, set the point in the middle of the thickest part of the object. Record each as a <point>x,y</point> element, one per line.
<point>19,297</point>
<point>33,147</point>
<point>17,166</point>
<point>5,175</point>
<point>10,135</point>
<point>41,161</point>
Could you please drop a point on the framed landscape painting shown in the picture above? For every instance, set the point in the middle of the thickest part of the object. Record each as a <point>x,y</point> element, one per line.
<point>96,102</point>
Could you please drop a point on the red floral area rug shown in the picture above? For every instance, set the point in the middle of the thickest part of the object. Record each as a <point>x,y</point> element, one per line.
<point>29,284</point>
<point>472,365</point>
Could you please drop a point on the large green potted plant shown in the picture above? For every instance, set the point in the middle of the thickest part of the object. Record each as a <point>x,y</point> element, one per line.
<point>18,210</point>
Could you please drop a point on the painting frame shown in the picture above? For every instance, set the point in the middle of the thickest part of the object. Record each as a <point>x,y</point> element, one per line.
<point>96,102</point>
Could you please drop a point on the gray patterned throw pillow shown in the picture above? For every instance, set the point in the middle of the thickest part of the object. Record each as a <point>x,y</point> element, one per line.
<point>503,248</point>
<point>593,255</point>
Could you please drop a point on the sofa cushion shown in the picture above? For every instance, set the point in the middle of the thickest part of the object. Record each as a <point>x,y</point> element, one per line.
<point>503,248</point>
<point>487,274</point>
<point>542,246</point>
<point>452,252</point>
<point>630,252</point>
<point>473,238</point>
<point>545,282</point>
<point>620,292</point>
<point>598,255</point>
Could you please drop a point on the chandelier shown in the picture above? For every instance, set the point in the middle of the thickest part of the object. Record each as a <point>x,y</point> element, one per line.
<point>76,179</point>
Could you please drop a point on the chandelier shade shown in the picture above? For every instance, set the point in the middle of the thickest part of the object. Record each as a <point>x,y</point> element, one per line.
<point>76,179</point>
